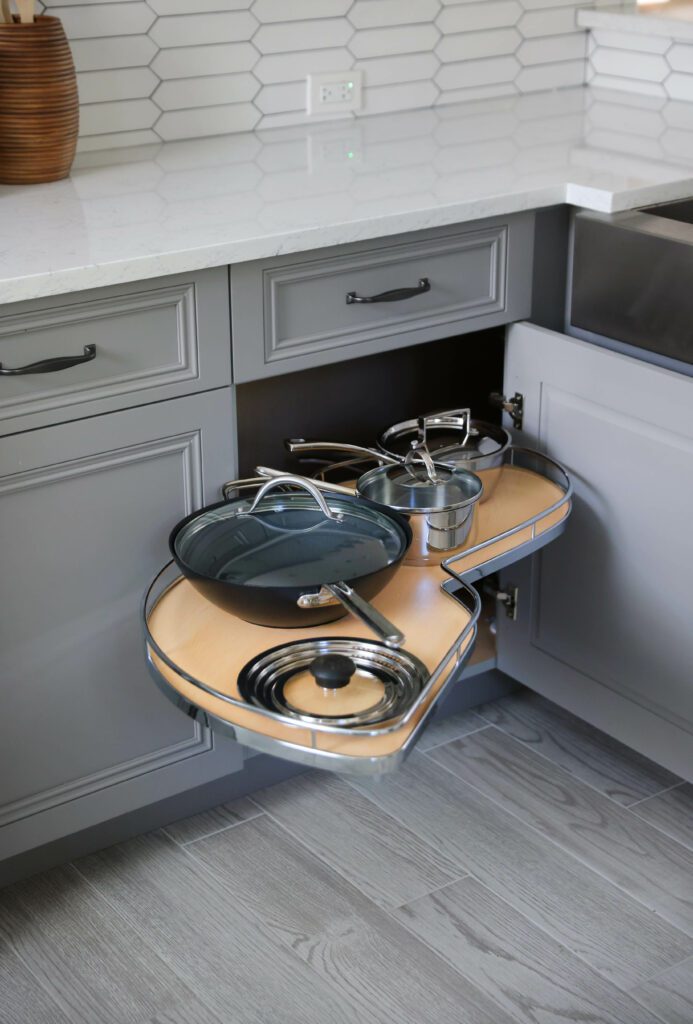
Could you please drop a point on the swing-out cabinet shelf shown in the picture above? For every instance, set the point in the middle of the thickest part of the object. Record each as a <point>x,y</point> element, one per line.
<point>195,650</point>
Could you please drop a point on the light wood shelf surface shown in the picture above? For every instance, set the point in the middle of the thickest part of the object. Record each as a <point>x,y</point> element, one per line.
<point>212,645</point>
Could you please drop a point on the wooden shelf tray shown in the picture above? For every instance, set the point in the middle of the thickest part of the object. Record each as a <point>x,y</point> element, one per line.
<point>196,650</point>
<point>529,508</point>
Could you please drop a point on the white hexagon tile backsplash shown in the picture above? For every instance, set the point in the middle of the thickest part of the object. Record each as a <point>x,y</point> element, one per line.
<point>176,69</point>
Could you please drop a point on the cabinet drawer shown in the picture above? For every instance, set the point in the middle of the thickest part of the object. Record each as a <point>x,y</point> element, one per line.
<point>151,340</point>
<point>291,313</point>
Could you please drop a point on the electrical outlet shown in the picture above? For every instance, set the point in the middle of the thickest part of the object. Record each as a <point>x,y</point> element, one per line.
<point>334,92</point>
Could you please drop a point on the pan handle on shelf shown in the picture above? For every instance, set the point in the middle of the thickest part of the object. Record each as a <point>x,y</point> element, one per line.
<point>298,445</point>
<point>362,609</point>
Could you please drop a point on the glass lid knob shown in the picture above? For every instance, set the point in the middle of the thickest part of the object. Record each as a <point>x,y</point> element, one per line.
<point>332,671</point>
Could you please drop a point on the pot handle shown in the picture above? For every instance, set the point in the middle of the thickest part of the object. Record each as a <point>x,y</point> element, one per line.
<point>364,610</point>
<point>448,418</point>
<point>294,481</point>
<point>298,445</point>
<point>323,485</point>
<point>420,453</point>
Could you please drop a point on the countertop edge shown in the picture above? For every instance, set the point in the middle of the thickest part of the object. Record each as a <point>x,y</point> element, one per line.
<point>242,250</point>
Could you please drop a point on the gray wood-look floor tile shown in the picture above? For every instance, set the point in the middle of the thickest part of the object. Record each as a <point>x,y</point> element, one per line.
<point>199,825</point>
<point>22,1000</point>
<point>529,974</point>
<point>370,960</point>
<point>92,963</point>
<point>671,812</point>
<point>442,730</point>
<point>647,864</point>
<point>387,861</point>
<point>585,752</point>
<point>198,1014</point>
<point>670,994</point>
<point>613,933</point>
<point>199,928</point>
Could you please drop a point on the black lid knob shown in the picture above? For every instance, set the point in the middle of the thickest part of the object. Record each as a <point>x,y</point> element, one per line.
<point>332,671</point>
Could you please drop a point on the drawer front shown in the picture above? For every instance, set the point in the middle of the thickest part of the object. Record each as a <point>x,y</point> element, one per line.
<point>150,340</point>
<point>291,313</point>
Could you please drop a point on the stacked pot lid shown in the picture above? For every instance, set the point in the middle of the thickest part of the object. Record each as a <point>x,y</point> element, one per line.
<point>337,681</point>
<point>452,437</point>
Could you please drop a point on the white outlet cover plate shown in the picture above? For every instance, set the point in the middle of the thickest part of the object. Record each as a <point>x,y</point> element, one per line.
<point>314,106</point>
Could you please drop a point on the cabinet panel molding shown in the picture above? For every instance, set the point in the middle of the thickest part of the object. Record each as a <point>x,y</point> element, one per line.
<point>85,511</point>
<point>603,624</point>
<point>153,340</point>
<point>292,313</point>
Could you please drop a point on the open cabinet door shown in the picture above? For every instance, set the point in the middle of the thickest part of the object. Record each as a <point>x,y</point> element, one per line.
<point>604,622</point>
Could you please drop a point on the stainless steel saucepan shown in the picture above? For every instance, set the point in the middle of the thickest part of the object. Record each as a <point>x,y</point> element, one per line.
<point>455,439</point>
<point>440,501</point>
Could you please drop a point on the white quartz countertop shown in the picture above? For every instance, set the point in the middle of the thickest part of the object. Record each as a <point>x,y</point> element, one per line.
<point>184,206</point>
<point>674,19</point>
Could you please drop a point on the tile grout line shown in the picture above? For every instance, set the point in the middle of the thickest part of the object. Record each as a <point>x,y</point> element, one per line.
<point>216,831</point>
<point>665,970</point>
<point>560,767</point>
<point>453,739</point>
<point>533,921</point>
<point>566,850</point>
<point>573,954</point>
<point>668,789</point>
<point>339,872</point>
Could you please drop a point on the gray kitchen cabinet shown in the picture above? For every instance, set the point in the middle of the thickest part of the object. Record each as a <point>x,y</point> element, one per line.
<point>604,614</point>
<point>85,509</point>
<point>296,312</point>
<point>134,343</point>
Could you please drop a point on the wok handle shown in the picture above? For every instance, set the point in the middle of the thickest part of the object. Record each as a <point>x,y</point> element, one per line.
<point>298,445</point>
<point>364,610</point>
<point>323,485</point>
<point>396,295</point>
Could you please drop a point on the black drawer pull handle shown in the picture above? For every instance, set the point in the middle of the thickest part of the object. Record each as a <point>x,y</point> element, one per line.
<point>50,365</point>
<point>396,295</point>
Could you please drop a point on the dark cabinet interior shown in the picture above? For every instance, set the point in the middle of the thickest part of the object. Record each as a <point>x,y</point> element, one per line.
<point>355,400</point>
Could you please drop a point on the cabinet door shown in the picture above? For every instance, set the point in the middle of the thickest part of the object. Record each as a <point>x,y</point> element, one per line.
<point>605,613</point>
<point>85,512</point>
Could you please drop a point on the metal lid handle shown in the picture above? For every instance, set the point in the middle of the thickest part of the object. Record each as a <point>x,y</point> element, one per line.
<point>448,418</point>
<point>295,481</point>
<point>420,453</point>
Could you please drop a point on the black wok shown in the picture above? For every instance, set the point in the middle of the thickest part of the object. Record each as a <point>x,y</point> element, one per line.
<point>292,559</point>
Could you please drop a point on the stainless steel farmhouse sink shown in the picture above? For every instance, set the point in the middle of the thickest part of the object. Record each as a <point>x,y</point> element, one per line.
<point>633,277</point>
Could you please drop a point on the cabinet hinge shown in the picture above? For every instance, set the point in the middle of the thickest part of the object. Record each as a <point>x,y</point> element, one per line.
<point>508,597</point>
<point>514,406</point>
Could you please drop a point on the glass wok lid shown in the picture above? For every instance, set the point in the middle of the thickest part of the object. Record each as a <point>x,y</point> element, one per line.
<point>452,436</point>
<point>288,539</point>
<point>340,681</point>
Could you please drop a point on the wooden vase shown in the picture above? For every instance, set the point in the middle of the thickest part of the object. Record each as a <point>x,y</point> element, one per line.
<point>39,106</point>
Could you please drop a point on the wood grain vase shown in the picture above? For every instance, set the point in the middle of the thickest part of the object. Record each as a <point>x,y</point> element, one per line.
<point>39,106</point>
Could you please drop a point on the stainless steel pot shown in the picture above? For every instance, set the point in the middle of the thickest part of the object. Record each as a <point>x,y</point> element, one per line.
<point>440,501</point>
<point>455,439</point>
